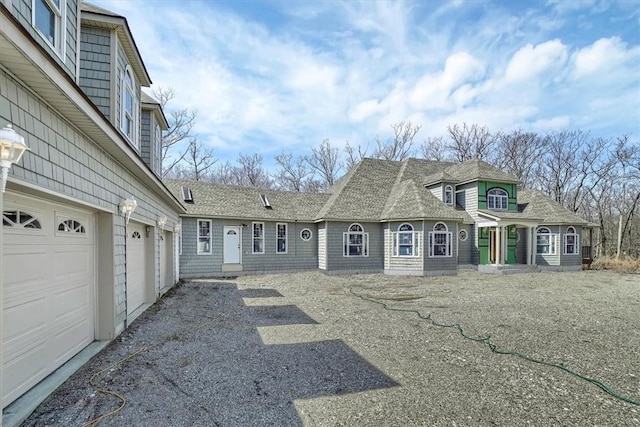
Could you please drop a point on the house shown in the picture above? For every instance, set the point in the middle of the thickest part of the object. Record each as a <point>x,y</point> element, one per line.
<point>415,217</point>
<point>88,236</point>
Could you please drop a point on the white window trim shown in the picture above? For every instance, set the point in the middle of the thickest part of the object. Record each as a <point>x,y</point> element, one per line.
<point>466,234</point>
<point>60,43</point>
<point>180,238</point>
<point>209,240</point>
<point>415,241</point>
<point>346,245</point>
<point>310,234</point>
<point>259,238</point>
<point>449,189</point>
<point>286,238</point>
<point>135,107</point>
<point>501,197</point>
<point>571,231</point>
<point>552,241</point>
<point>448,241</point>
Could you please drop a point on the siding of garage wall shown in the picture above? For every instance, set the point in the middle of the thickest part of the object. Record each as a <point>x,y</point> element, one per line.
<point>22,11</point>
<point>337,263</point>
<point>66,162</point>
<point>95,66</point>
<point>300,255</point>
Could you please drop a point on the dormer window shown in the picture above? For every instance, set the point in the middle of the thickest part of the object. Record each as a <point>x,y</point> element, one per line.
<point>498,199</point>
<point>129,107</point>
<point>448,195</point>
<point>47,18</point>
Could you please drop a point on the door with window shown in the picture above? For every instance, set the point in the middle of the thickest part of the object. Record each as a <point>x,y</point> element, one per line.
<point>231,245</point>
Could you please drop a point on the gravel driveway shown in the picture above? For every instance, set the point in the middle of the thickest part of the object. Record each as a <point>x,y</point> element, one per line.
<point>314,350</point>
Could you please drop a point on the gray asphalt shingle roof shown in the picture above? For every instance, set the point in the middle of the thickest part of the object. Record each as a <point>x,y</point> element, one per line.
<point>533,203</point>
<point>228,201</point>
<point>473,170</point>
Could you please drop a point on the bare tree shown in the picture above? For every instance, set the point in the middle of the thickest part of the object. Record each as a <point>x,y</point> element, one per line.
<point>353,156</point>
<point>199,159</point>
<point>292,174</point>
<point>434,148</point>
<point>400,146</point>
<point>181,122</point>
<point>519,154</point>
<point>471,142</point>
<point>325,161</point>
<point>251,172</point>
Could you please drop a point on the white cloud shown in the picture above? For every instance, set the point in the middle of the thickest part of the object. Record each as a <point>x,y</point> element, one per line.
<point>604,54</point>
<point>532,61</point>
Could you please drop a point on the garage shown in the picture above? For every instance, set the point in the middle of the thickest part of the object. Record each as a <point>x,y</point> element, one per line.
<point>136,266</point>
<point>49,286</point>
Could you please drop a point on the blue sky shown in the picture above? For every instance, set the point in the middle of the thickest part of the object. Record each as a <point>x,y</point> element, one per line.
<point>273,76</point>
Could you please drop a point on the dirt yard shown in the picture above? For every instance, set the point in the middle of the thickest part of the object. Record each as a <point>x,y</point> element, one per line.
<point>315,350</point>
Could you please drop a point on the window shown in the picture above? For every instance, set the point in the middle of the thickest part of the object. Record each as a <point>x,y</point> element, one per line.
<point>440,241</point>
<point>571,242</point>
<point>20,219</point>
<point>406,242</point>
<point>136,235</point>
<point>355,241</point>
<point>448,195</point>
<point>204,237</point>
<point>129,107</point>
<point>71,226</point>
<point>305,234</point>
<point>258,238</point>
<point>47,17</point>
<point>545,241</point>
<point>498,199</point>
<point>463,235</point>
<point>281,238</point>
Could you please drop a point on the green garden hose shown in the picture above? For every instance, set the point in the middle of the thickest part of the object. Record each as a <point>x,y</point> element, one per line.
<point>486,340</point>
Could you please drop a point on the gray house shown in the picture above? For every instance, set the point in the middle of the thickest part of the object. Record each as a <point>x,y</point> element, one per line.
<point>88,236</point>
<point>416,217</point>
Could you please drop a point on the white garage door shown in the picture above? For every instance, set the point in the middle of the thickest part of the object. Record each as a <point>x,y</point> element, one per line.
<point>48,275</point>
<point>136,266</point>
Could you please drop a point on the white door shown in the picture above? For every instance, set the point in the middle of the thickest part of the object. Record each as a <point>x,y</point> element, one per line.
<point>166,260</point>
<point>136,266</point>
<point>48,274</point>
<point>231,247</point>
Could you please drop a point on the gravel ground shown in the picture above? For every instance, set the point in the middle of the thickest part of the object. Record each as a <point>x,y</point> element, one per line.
<point>313,350</point>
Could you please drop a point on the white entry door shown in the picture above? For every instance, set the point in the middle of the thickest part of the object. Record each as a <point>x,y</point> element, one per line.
<point>231,248</point>
<point>136,266</point>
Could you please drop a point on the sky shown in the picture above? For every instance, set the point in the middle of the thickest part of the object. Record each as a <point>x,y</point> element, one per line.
<point>277,76</point>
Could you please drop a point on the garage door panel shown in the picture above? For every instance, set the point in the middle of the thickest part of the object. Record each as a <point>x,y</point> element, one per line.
<point>49,308</point>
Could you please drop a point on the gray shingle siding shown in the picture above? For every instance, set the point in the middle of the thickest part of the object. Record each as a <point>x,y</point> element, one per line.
<point>22,11</point>
<point>521,246</point>
<point>337,262</point>
<point>467,250</point>
<point>547,259</point>
<point>66,162</point>
<point>300,255</point>
<point>145,137</point>
<point>95,66</point>
<point>440,263</point>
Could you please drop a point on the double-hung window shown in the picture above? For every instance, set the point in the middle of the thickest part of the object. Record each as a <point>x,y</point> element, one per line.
<point>440,241</point>
<point>48,18</point>
<point>448,195</point>
<point>281,238</point>
<point>406,241</point>
<point>355,241</point>
<point>258,238</point>
<point>204,237</point>
<point>545,241</point>
<point>129,107</point>
<point>571,242</point>
<point>497,199</point>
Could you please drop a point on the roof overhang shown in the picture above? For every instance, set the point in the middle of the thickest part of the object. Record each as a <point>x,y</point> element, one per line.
<point>23,56</point>
<point>497,220</point>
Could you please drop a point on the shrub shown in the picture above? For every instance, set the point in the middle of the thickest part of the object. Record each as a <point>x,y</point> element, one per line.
<point>621,265</point>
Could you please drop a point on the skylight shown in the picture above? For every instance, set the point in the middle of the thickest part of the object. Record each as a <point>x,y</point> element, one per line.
<point>186,194</point>
<point>265,201</point>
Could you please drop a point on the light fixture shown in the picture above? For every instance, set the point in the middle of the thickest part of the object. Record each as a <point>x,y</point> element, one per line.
<point>12,147</point>
<point>162,220</point>
<point>127,207</point>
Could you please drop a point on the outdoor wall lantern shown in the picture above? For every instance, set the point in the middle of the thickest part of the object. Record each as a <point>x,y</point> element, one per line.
<point>12,147</point>
<point>127,207</point>
<point>162,220</point>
